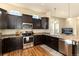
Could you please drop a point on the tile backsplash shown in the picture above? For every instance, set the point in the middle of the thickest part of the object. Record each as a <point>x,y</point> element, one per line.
<point>13,31</point>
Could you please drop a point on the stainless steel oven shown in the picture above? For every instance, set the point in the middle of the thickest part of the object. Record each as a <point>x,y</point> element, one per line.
<point>28,41</point>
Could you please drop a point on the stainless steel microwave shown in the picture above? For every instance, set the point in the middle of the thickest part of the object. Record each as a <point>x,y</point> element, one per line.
<point>27,25</point>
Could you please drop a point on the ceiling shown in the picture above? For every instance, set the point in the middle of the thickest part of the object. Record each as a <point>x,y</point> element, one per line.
<point>61,8</point>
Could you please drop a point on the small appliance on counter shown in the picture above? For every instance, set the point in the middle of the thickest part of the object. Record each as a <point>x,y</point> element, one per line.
<point>28,39</point>
<point>67,31</point>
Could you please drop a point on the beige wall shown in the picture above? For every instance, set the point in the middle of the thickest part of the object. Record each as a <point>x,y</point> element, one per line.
<point>25,10</point>
<point>77,26</point>
<point>71,23</point>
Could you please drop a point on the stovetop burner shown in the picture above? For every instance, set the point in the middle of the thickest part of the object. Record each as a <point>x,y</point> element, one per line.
<point>27,33</point>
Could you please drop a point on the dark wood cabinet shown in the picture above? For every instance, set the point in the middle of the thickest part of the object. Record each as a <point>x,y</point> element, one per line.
<point>8,21</point>
<point>14,22</point>
<point>37,39</point>
<point>0,47</point>
<point>46,39</point>
<point>5,45</point>
<point>36,23</point>
<point>54,43</point>
<point>26,18</point>
<point>3,19</point>
<point>44,22</point>
<point>11,44</point>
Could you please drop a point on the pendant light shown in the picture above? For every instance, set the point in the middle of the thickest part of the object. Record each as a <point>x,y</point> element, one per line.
<point>54,12</point>
<point>69,15</point>
<point>55,15</point>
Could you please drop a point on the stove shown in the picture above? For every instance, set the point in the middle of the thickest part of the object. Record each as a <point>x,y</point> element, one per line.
<point>28,40</point>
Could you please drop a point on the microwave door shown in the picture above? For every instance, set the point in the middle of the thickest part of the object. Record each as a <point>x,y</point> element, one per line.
<point>27,26</point>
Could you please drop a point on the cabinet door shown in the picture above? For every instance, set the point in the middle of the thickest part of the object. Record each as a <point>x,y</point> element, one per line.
<point>47,40</point>
<point>43,39</point>
<point>19,43</point>
<point>14,22</point>
<point>44,22</point>
<point>36,23</point>
<point>16,43</point>
<point>54,43</point>
<point>26,18</point>
<point>6,45</point>
<point>0,47</point>
<point>11,44</point>
<point>3,19</point>
<point>37,40</point>
<point>19,22</point>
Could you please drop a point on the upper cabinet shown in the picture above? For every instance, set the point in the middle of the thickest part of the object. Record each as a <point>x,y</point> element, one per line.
<point>26,18</point>
<point>3,19</point>
<point>36,23</point>
<point>44,22</point>
<point>14,22</point>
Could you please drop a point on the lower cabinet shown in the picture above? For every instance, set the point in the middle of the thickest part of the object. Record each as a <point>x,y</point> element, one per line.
<point>54,43</point>
<point>51,42</point>
<point>0,47</point>
<point>11,44</point>
<point>37,39</point>
<point>48,40</point>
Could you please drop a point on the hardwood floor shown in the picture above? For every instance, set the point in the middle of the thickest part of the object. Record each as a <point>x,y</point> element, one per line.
<point>34,51</point>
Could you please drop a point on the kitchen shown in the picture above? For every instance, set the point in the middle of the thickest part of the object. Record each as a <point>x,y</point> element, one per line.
<point>32,30</point>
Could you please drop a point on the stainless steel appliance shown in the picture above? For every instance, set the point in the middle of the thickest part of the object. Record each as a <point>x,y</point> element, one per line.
<point>67,47</point>
<point>28,40</point>
<point>61,46</point>
<point>77,49</point>
<point>67,31</point>
<point>27,25</point>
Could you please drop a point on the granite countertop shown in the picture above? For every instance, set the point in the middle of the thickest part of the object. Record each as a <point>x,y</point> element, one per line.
<point>9,36</point>
<point>63,37</point>
<point>48,34</point>
<point>70,37</point>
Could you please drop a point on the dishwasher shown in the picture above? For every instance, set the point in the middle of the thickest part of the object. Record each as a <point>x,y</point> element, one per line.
<point>77,48</point>
<point>67,47</point>
<point>61,46</point>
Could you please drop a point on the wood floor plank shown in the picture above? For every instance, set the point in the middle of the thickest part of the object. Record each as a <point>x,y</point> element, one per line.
<point>33,51</point>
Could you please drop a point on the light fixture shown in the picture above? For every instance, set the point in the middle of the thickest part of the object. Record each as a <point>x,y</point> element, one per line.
<point>69,16</point>
<point>54,12</point>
